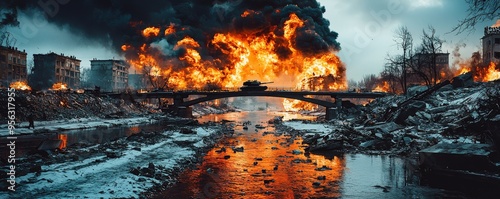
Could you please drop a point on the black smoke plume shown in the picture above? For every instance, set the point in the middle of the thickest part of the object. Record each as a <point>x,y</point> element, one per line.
<point>120,22</point>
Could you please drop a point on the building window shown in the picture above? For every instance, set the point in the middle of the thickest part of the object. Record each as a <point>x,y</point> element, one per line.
<point>497,40</point>
<point>496,55</point>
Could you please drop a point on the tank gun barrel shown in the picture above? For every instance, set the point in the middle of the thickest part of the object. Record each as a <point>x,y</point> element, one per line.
<point>266,82</point>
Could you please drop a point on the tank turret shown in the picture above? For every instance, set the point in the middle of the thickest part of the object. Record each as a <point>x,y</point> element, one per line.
<point>254,85</point>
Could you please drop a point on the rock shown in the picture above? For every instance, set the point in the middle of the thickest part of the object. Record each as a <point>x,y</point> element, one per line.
<point>264,171</point>
<point>151,166</point>
<point>135,171</point>
<point>227,157</point>
<point>328,145</point>
<point>368,144</point>
<point>316,183</point>
<point>407,140</point>
<point>238,149</point>
<point>409,110</point>
<point>274,148</point>
<point>416,90</point>
<point>187,131</point>
<point>137,148</point>
<point>463,80</point>
<point>268,181</point>
<point>36,168</point>
<point>296,152</point>
<point>222,149</point>
<point>321,177</point>
<point>323,168</point>
<point>258,159</point>
<point>311,139</point>
<point>113,154</point>
<point>255,163</point>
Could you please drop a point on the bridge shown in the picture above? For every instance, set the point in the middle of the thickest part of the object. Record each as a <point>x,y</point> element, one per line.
<point>182,102</point>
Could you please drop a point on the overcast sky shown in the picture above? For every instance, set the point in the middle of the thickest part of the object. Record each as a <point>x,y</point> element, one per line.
<point>366,29</point>
<point>366,32</point>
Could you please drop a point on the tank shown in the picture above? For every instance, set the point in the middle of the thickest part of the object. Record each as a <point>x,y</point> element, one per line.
<point>254,85</point>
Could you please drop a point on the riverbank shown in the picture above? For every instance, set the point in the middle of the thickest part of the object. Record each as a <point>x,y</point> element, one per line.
<point>123,168</point>
<point>449,115</point>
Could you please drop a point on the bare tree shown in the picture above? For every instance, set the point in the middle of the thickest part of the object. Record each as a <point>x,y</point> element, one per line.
<point>424,63</point>
<point>432,45</point>
<point>369,82</point>
<point>420,65</point>
<point>404,42</point>
<point>392,73</point>
<point>479,11</point>
<point>155,79</point>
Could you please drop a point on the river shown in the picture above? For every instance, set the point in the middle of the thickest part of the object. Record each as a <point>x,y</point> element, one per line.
<point>267,168</point>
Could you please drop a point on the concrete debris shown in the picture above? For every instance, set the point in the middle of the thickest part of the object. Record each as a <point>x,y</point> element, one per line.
<point>441,114</point>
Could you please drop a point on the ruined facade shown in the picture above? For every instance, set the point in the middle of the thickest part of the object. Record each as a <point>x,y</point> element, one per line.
<point>423,65</point>
<point>53,68</point>
<point>491,44</point>
<point>12,65</point>
<point>109,75</point>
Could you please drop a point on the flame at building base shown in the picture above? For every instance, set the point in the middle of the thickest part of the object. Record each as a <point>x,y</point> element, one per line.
<point>481,73</point>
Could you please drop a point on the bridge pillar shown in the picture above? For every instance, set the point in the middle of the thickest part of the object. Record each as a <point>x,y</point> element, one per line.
<point>331,113</point>
<point>185,112</point>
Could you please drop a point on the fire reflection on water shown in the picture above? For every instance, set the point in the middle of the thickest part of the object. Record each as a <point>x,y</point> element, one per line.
<point>265,169</point>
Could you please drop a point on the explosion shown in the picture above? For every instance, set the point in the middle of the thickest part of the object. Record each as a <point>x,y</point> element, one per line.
<point>20,85</point>
<point>269,54</point>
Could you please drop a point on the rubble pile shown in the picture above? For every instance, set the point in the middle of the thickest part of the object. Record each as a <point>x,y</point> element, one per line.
<point>64,105</point>
<point>447,115</point>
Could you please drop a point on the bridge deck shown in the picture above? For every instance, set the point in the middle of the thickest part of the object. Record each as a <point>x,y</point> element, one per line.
<point>253,93</point>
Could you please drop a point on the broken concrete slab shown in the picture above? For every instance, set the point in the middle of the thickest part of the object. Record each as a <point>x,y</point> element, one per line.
<point>471,157</point>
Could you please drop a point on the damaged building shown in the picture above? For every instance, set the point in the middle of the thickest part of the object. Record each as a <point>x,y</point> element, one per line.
<point>491,44</point>
<point>53,68</point>
<point>12,65</point>
<point>109,75</point>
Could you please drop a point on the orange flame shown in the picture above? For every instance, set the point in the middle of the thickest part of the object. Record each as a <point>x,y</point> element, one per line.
<point>491,73</point>
<point>383,87</point>
<point>170,30</point>
<point>64,140</point>
<point>251,56</point>
<point>59,86</point>
<point>125,47</point>
<point>20,85</point>
<point>151,31</point>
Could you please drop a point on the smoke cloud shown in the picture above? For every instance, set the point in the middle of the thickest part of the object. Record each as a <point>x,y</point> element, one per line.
<point>122,21</point>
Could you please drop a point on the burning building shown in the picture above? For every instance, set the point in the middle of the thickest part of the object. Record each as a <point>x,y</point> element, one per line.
<point>52,68</point>
<point>12,65</point>
<point>109,75</point>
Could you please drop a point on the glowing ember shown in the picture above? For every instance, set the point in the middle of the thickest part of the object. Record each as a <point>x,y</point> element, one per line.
<point>270,54</point>
<point>20,85</point>
<point>59,86</point>
<point>64,141</point>
<point>382,88</point>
